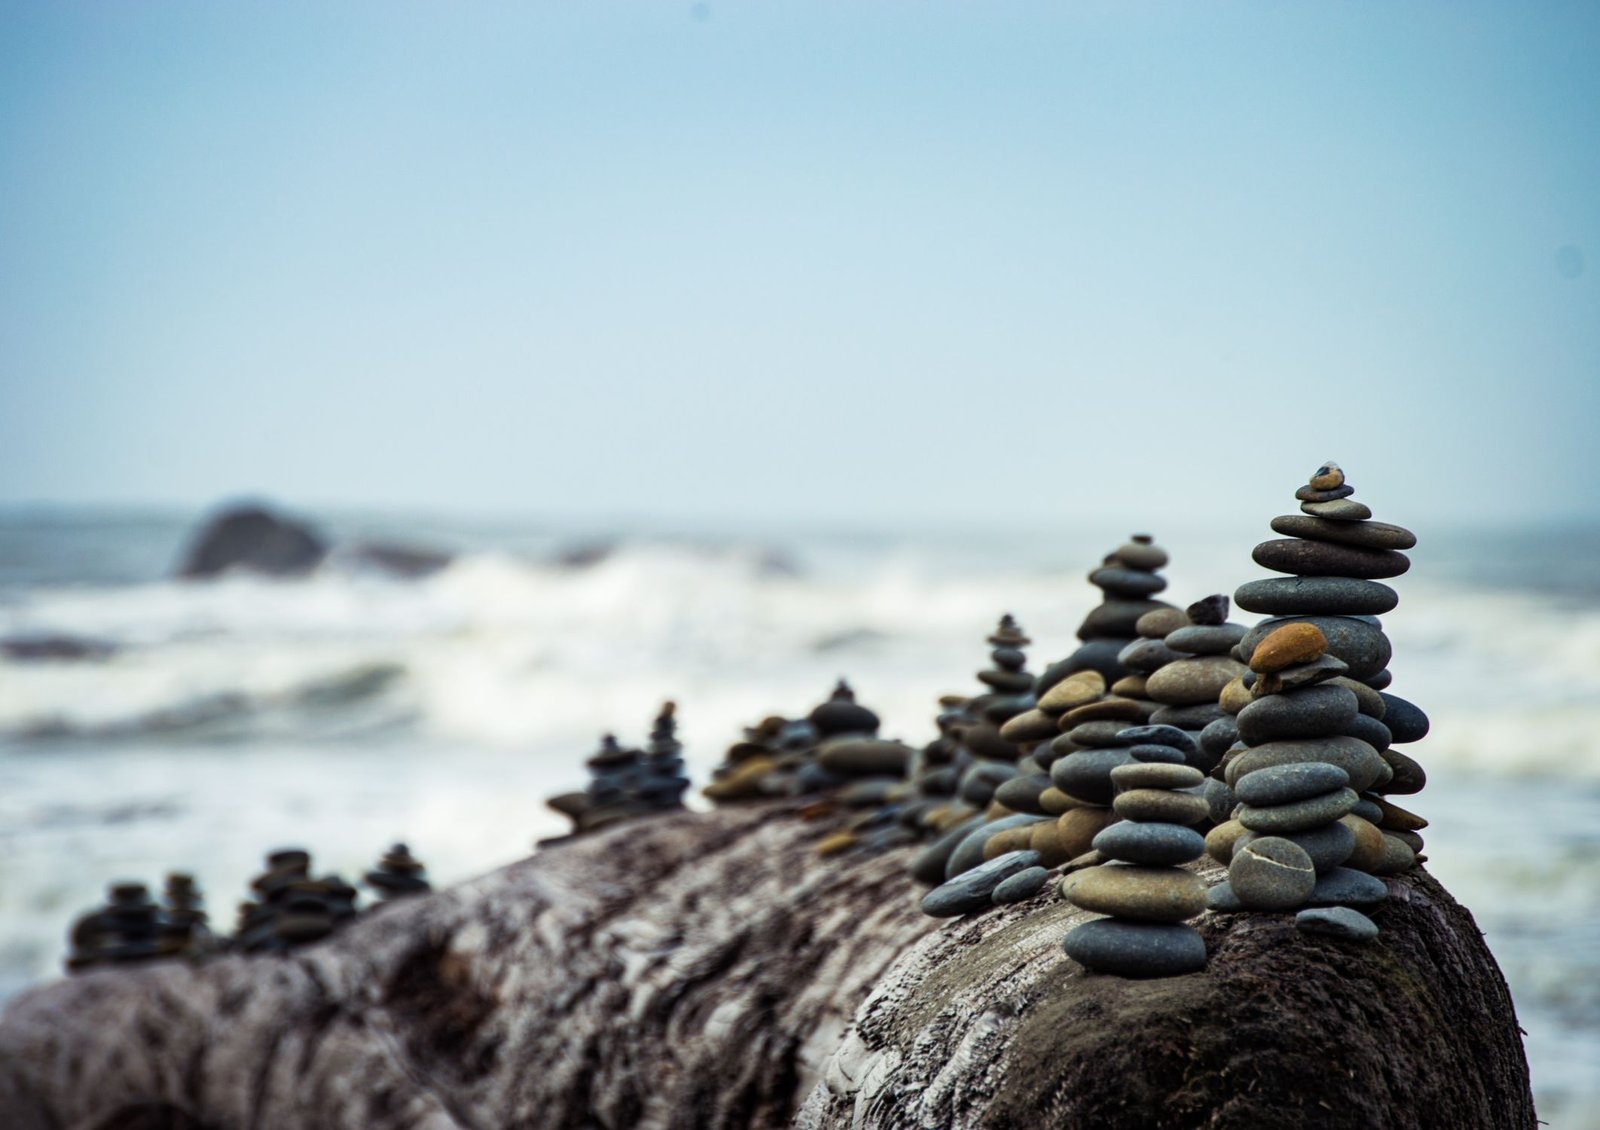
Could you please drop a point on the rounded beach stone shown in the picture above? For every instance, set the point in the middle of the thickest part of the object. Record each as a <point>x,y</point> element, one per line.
<point>1129,686</point>
<point>1021,886</point>
<point>1141,553</point>
<point>1087,774</point>
<point>1397,819</point>
<point>1156,775</point>
<point>1338,510</point>
<point>859,757</point>
<point>1368,701</point>
<point>837,843</point>
<point>1328,559</point>
<point>1345,886</point>
<point>1220,800</point>
<point>1120,581</point>
<point>930,863</point>
<point>1409,777</point>
<point>1367,535</point>
<point>1360,643</point>
<point>1369,730</point>
<point>1233,698</point>
<point>974,889</point>
<point>1310,493</point>
<point>1380,680</point>
<point>1161,623</point>
<point>1046,840</point>
<point>1337,922</point>
<point>1398,857</point>
<point>1115,618</point>
<point>1055,802</point>
<point>1353,755</point>
<point>1029,726</point>
<point>1327,476</point>
<point>1152,844</point>
<point>1206,639</point>
<point>1283,784</point>
<point>1288,646</point>
<point>969,852</point>
<point>1271,874</point>
<point>1298,816</point>
<point>979,782</point>
<point>1308,712</point>
<point>1108,709</point>
<point>1220,899</point>
<point>1077,829</point>
<point>1157,735</point>
<point>1195,717</point>
<point>1193,681</point>
<point>1406,721</point>
<point>1158,754</point>
<point>1162,805</point>
<point>1329,845</point>
<point>1074,690</point>
<point>1144,894</point>
<point>1098,735</point>
<point>1021,794</point>
<point>1219,736</point>
<point>1010,840</point>
<point>1221,840</point>
<point>1332,596</point>
<point>1368,853</point>
<point>1136,949</point>
<point>1146,656</point>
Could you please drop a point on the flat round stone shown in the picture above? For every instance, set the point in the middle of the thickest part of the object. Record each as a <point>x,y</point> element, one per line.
<point>1141,554</point>
<point>1220,800</point>
<point>1220,899</point>
<point>1192,681</point>
<point>1271,874</point>
<point>1310,493</point>
<point>1152,844</point>
<point>1298,816</point>
<point>1145,656</point>
<point>1156,775</point>
<point>1162,805</point>
<point>1368,701</point>
<point>1283,784</point>
<point>1409,776</point>
<point>969,852</point>
<point>1353,755</point>
<point>1098,735</point>
<point>979,782</point>
<point>1163,754</point>
<point>974,889</point>
<point>1345,886</point>
<point>857,757</point>
<point>1029,726</point>
<point>1378,680</point>
<point>1145,894</point>
<point>1156,735</point>
<point>1136,949</point>
<point>1087,774</point>
<point>1021,794</point>
<point>1406,721</point>
<point>1369,730</point>
<point>1218,735</point>
<point>1328,846</point>
<point>1072,689</point>
<point>1316,596</point>
<point>1221,840</point>
<point>1206,639</point>
<point>1338,510</point>
<point>928,867</point>
<point>1116,618</point>
<point>1366,535</point>
<point>1328,559</point>
<point>1020,887</point>
<point>1158,624</point>
<point>1337,922</point>
<point>1196,717</point>
<point>1308,712</point>
<point>1112,708</point>
<point>1119,581</point>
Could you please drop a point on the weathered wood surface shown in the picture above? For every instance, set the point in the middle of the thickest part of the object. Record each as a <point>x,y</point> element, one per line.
<point>703,971</point>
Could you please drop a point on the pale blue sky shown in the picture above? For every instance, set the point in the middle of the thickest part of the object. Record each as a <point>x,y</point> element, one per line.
<point>831,261</point>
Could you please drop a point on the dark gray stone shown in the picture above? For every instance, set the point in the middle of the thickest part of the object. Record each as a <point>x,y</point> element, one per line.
<point>1271,873</point>
<point>1136,949</point>
<point>1353,755</point>
<point>1145,656</point>
<point>1283,784</point>
<point>254,539</point>
<point>1312,494</point>
<point>1087,774</point>
<point>1118,581</point>
<point>1196,717</point>
<point>1208,611</point>
<point>1158,753</point>
<point>1345,886</point>
<point>1116,619</point>
<point>1323,596</point>
<point>974,889</point>
<point>1021,886</point>
<point>1309,712</point>
<point>1220,800</point>
<point>1366,535</point>
<point>1150,844</point>
<point>1220,899</point>
<point>1337,510</point>
<point>1095,655</point>
<point>1380,680</point>
<point>969,852</point>
<point>1337,922</point>
<point>1298,816</point>
<point>928,867</point>
<point>1375,733</point>
<point>1406,721</point>
<point>1157,735</point>
<point>1207,639</point>
<point>1327,559</point>
<point>1328,846</point>
<point>1021,794</point>
<point>1218,736</point>
<point>979,782</point>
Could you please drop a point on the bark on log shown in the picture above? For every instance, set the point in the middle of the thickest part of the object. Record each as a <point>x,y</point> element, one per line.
<point>703,970</point>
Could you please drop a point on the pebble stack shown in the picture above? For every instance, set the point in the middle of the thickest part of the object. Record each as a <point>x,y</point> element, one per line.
<point>185,928</point>
<point>399,874</point>
<point>1336,557</point>
<point>291,908</point>
<point>780,757</point>
<point>1189,684</point>
<point>1145,891</point>
<point>1129,580</point>
<point>665,778</point>
<point>127,928</point>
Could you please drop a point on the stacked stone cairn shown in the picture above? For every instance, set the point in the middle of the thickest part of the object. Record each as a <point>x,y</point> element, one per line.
<point>291,908</point>
<point>1145,891</point>
<point>128,928</point>
<point>185,928</point>
<point>1129,580</point>
<point>665,778</point>
<point>1313,764</point>
<point>399,875</point>
<point>780,757</point>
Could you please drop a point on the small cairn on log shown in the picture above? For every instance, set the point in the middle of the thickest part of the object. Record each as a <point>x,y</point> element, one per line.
<point>128,928</point>
<point>291,908</point>
<point>399,875</point>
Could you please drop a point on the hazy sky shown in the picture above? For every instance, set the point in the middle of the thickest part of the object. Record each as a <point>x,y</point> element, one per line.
<point>867,262</point>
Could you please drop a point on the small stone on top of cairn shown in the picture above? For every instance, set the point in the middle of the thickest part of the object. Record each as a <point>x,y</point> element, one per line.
<point>1129,581</point>
<point>399,874</point>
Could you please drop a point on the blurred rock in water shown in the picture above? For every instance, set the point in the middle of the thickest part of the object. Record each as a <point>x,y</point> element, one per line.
<point>254,539</point>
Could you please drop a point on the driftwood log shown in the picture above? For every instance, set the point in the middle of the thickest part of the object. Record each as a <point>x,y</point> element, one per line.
<point>711,970</point>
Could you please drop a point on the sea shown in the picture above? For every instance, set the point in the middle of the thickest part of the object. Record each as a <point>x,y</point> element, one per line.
<point>195,725</point>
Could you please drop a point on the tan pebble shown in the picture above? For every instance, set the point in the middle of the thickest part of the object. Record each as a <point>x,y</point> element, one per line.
<point>836,843</point>
<point>1055,802</point>
<point>1080,826</point>
<point>996,810</point>
<point>1029,726</point>
<point>1327,476</point>
<point>1011,839</point>
<point>1148,894</point>
<point>1397,819</point>
<point>1284,647</point>
<point>1234,697</point>
<point>1046,840</point>
<point>1160,623</point>
<point>1107,709</point>
<point>1161,805</point>
<point>1369,849</point>
<point>1075,690</point>
<point>1129,686</point>
<point>1397,857</point>
<point>1368,701</point>
<point>742,781</point>
<point>1220,841</point>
